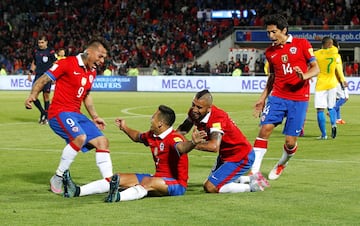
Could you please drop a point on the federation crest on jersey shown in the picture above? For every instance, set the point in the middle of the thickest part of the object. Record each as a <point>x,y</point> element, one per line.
<point>284,58</point>
<point>162,146</point>
<point>91,79</point>
<point>293,50</point>
<point>45,59</point>
<point>83,81</point>
<point>75,129</point>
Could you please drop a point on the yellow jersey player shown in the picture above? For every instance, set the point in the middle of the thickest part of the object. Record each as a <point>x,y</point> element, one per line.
<point>325,89</point>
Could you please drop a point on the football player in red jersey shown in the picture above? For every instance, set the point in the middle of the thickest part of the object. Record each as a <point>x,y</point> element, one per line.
<point>292,64</point>
<point>74,77</point>
<point>169,151</point>
<point>235,153</point>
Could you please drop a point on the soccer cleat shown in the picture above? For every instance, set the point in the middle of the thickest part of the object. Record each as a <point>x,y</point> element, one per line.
<point>333,132</point>
<point>70,188</point>
<point>322,138</point>
<point>259,177</point>
<point>340,121</point>
<point>114,194</point>
<point>276,171</point>
<point>56,184</point>
<point>255,185</point>
<point>43,120</point>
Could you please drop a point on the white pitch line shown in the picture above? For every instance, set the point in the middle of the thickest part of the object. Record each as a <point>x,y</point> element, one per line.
<point>135,115</point>
<point>127,111</point>
<point>113,152</point>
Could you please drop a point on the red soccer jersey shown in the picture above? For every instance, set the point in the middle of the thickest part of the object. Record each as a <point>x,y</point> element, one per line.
<point>234,145</point>
<point>73,83</point>
<point>168,161</point>
<point>282,59</point>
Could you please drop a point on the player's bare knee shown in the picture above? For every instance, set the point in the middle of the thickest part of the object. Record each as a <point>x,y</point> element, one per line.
<point>80,140</point>
<point>102,142</point>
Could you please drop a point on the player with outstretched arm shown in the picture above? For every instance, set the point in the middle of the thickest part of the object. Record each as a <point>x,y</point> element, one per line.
<point>74,77</point>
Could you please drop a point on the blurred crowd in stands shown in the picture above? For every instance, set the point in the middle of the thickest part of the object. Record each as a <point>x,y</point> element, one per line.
<point>147,33</point>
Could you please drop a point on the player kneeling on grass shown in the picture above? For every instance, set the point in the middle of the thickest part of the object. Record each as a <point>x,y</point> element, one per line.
<point>236,154</point>
<point>169,151</point>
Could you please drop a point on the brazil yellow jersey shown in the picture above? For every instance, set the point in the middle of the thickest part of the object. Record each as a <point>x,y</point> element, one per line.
<point>328,60</point>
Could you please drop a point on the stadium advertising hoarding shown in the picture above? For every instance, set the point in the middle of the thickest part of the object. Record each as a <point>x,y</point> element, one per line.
<point>227,84</point>
<point>15,82</point>
<point>245,84</point>
<point>352,36</point>
<point>101,83</point>
<point>115,83</point>
<point>197,83</point>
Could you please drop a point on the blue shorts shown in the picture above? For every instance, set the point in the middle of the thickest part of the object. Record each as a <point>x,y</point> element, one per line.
<point>69,125</point>
<point>277,109</point>
<point>226,172</point>
<point>174,188</point>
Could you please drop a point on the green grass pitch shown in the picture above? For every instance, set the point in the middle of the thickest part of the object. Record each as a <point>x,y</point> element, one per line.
<point>319,187</point>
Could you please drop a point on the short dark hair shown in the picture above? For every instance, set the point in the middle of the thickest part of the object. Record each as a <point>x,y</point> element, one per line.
<point>42,37</point>
<point>201,93</point>
<point>278,20</point>
<point>204,95</point>
<point>325,42</point>
<point>167,115</point>
<point>96,42</point>
<point>325,39</point>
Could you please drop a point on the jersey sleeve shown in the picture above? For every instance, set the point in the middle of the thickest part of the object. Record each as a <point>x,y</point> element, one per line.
<point>58,69</point>
<point>218,122</point>
<point>144,137</point>
<point>308,51</point>
<point>339,68</point>
<point>52,55</point>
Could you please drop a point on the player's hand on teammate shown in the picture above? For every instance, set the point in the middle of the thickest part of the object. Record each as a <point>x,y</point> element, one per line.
<point>198,136</point>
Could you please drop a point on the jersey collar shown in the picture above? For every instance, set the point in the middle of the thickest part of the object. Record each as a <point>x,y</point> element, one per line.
<point>289,39</point>
<point>80,61</point>
<point>206,118</point>
<point>165,133</point>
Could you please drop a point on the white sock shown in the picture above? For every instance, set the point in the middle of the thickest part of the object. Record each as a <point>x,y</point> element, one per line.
<point>259,155</point>
<point>67,157</point>
<point>260,148</point>
<point>103,161</point>
<point>95,187</point>
<point>286,156</point>
<point>234,188</point>
<point>243,179</point>
<point>133,193</point>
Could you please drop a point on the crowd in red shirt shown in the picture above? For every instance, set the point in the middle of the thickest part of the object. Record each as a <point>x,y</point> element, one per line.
<point>143,33</point>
